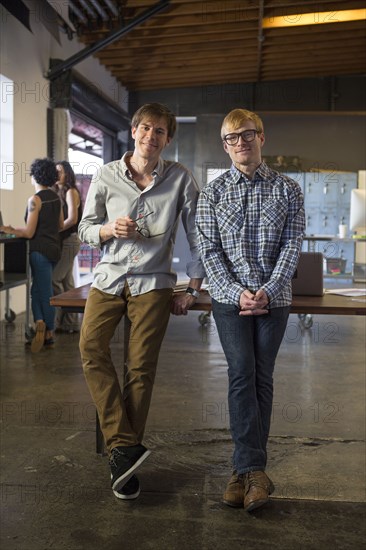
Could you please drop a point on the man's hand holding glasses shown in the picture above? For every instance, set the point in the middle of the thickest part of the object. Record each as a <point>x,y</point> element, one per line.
<point>124,228</point>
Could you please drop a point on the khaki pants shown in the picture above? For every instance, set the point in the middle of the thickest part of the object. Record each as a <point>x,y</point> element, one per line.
<point>63,280</point>
<point>123,411</point>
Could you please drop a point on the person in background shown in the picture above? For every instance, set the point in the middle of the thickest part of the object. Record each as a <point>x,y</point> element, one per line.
<point>250,224</point>
<point>63,278</point>
<point>132,213</point>
<point>44,219</point>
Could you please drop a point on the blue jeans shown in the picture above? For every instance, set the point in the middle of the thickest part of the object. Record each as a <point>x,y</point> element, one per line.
<point>42,290</point>
<point>250,345</point>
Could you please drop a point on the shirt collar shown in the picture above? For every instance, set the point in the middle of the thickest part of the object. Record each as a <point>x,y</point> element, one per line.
<point>158,170</point>
<point>262,171</point>
<point>237,176</point>
<point>124,166</point>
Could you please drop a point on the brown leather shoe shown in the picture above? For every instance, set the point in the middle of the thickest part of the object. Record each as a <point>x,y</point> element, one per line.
<point>258,487</point>
<point>234,492</point>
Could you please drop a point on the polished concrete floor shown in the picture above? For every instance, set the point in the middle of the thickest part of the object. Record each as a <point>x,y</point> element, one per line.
<point>55,490</point>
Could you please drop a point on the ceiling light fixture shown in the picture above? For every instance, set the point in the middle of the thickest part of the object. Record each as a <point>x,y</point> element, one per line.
<point>316,18</point>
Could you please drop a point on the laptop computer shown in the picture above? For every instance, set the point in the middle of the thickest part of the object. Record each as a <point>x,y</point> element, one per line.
<point>2,234</point>
<point>308,277</point>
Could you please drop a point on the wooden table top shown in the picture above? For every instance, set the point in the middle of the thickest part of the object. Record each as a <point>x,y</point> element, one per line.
<point>329,304</point>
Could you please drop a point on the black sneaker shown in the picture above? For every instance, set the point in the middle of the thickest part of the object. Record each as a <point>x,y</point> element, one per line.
<point>130,490</point>
<point>124,461</point>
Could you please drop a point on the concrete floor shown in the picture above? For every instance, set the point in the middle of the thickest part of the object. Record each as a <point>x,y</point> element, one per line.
<point>55,490</point>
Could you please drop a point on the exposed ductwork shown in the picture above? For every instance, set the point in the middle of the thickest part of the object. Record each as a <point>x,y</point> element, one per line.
<point>86,6</point>
<point>58,69</point>
<point>112,7</point>
<point>101,11</point>
<point>94,13</point>
<point>76,12</point>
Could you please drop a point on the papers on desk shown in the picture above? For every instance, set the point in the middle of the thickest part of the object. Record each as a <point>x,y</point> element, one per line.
<point>351,292</point>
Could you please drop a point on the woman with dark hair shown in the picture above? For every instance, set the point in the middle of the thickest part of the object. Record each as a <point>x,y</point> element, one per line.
<point>44,219</point>
<point>63,278</point>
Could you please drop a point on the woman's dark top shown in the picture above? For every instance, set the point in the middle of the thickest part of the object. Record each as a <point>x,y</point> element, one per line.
<point>46,239</point>
<point>74,228</point>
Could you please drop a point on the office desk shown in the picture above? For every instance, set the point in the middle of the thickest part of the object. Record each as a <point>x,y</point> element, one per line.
<point>330,304</point>
<point>74,300</point>
<point>16,272</point>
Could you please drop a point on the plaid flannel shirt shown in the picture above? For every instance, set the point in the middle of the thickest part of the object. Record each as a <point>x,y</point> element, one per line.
<point>250,234</point>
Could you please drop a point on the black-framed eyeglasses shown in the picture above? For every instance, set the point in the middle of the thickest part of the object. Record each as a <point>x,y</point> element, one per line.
<point>246,135</point>
<point>144,231</point>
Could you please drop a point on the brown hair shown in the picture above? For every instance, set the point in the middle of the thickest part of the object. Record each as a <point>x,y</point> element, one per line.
<point>70,180</point>
<point>153,111</point>
<point>236,118</point>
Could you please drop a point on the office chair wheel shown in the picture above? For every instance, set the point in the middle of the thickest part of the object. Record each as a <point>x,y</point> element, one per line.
<point>306,320</point>
<point>203,319</point>
<point>10,316</point>
<point>29,333</point>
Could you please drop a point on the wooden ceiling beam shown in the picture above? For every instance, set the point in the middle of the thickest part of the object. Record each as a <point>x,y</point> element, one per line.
<point>220,42</point>
<point>193,6</point>
<point>185,73</point>
<point>188,72</point>
<point>309,67</point>
<point>322,42</point>
<point>321,39</point>
<point>247,78</point>
<point>303,5</point>
<point>161,41</point>
<point>321,72</point>
<point>174,58</point>
<point>205,80</point>
<point>145,33</point>
<point>260,39</point>
<point>212,63</point>
<point>207,12</point>
<point>189,50</point>
<point>222,81</point>
<point>238,73</point>
<point>161,46</point>
<point>325,50</point>
<point>173,63</point>
<point>278,64</point>
<point>172,24</point>
<point>186,53</point>
<point>215,7</point>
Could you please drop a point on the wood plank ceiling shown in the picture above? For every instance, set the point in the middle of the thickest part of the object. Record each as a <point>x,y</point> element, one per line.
<point>195,43</point>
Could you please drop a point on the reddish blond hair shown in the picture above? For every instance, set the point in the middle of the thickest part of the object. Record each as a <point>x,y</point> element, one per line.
<point>237,118</point>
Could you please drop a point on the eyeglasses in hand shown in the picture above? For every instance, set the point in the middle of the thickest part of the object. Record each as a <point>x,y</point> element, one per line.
<point>246,135</point>
<point>144,231</point>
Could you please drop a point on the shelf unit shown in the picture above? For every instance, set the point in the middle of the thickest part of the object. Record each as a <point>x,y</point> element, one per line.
<point>15,273</point>
<point>327,197</point>
<point>335,243</point>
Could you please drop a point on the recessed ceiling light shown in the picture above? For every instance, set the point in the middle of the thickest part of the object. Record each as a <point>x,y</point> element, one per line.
<point>316,18</point>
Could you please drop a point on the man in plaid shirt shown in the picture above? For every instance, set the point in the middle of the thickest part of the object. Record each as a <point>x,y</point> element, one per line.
<point>250,223</point>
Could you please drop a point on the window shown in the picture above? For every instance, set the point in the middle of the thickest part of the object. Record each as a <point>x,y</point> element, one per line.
<point>8,168</point>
